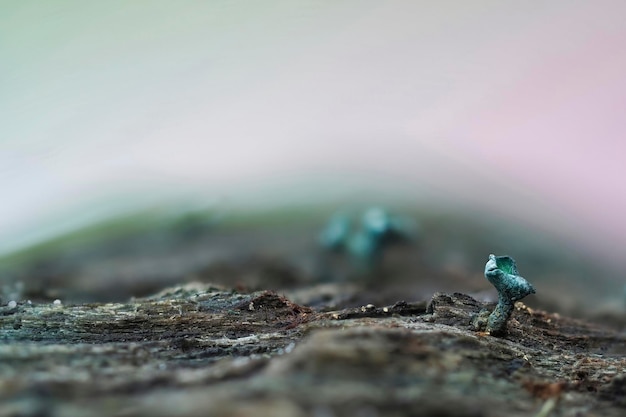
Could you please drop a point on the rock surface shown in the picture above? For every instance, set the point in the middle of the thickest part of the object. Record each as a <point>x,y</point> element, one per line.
<point>201,350</point>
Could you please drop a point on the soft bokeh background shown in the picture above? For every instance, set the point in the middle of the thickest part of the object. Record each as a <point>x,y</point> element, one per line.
<point>511,109</point>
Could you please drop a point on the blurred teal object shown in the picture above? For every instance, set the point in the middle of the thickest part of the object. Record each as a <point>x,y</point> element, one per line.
<point>376,231</point>
<point>376,221</point>
<point>364,248</point>
<point>335,234</point>
<point>387,228</point>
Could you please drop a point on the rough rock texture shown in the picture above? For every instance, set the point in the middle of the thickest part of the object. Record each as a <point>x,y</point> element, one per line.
<point>201,350</point>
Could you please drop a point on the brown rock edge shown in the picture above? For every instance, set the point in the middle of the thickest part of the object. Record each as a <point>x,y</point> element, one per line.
<point>200,350</point>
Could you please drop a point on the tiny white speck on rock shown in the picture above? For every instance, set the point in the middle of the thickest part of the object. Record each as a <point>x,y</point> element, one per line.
<point>12,304</point>
<point>57,302</point>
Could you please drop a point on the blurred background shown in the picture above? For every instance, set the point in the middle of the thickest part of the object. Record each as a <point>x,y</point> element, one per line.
<point>150,143</point>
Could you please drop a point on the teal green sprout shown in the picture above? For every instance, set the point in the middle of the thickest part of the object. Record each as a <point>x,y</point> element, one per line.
<point>502,273</point>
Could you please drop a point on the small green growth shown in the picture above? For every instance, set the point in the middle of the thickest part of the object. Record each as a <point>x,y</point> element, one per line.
<point>335,234</point>
<point>501,272</point>
<point>366,241</point>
